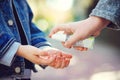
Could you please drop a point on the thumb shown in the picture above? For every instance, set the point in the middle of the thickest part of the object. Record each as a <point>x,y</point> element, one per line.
<point>47,60</point>
<point>42,53</point>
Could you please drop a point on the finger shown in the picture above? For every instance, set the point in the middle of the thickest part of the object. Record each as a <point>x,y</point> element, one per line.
<point>81,48</point>
<point>97,33</point>
<point>42,53</point>
<point>58,62</point>
<point>53,63</point>
<point>58,53</point>
<point>85,49</point>
<point>63,43</point>
<point>47,53</point>
<point>77,47</point>
<point>67,62</point>
<point>47,61</point>
<point>56,29</point>
<point>72,40</point>
<point>63,64</point>
<point>66,55</point>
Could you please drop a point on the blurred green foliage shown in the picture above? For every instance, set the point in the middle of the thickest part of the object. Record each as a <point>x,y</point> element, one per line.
<point>48,13</point>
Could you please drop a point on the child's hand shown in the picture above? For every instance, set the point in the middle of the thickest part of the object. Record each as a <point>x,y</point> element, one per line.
<point>81,30</point>
<point>35,55</point>
<point>62,59</point>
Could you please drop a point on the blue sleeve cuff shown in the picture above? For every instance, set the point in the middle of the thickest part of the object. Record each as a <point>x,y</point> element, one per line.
<point>8,58</point>
<point>44,47</point>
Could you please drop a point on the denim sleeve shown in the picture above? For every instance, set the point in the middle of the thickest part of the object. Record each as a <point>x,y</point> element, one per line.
<point>8,58</point>
<point>38,37</point>
<point>110,10</point>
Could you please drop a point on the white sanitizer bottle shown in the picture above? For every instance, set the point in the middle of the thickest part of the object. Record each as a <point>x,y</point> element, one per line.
<point>88,43</point>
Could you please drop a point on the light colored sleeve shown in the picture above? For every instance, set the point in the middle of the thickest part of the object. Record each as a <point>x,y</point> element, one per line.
<point>8,58</point>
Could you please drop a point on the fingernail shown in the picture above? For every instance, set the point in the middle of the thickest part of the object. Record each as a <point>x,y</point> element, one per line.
<point>66,45</point>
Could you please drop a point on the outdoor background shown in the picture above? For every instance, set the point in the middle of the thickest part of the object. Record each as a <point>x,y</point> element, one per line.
<point>100,63</point>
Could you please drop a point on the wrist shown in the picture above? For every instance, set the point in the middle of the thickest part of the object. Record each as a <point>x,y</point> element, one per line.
<point>99,20</point>
<point>20,50</point>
